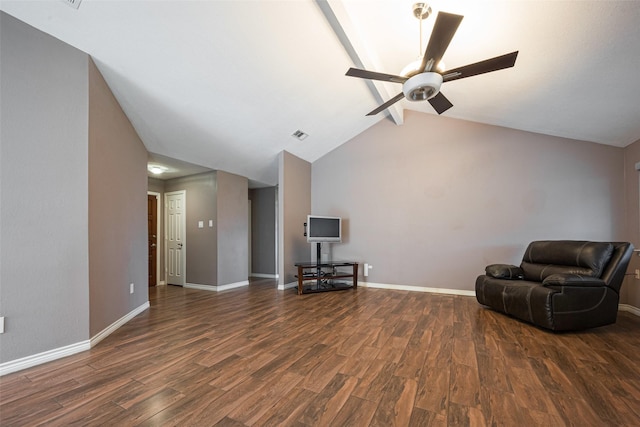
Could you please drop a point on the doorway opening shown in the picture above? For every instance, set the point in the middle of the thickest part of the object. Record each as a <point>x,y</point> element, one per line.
<point>153,233</point>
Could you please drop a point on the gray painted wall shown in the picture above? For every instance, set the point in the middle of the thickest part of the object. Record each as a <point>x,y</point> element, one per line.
<point>631,287</point>
<point>155,185</point>
<point>216,255</point>
<point>233,228</point>
<point>294,204</point>
<point>432,202</point>
<point>44,265</point>
<point>263,230</point>
<point>118,248</point>
<point>201,246</point>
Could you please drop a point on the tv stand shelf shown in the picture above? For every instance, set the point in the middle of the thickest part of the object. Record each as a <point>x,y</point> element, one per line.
<point>326,276</point>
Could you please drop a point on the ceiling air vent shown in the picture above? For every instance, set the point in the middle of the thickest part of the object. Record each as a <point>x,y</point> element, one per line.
<point>299,134</point>
<point>73,3</point>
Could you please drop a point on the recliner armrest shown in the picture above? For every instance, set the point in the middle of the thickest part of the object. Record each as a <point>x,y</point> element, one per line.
<point>504,271</point>
<point>572,280</point>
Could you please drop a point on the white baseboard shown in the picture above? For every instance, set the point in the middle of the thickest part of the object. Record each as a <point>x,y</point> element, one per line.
<point>115,325</point>
<point>211,288</point>
<point>397,288</point>
<point>232,285</point>
<point>59,353</point>
<point>264,275</point>
<point>621,307</point>
<point>417,289</point>
<point>288,286</point>
<point>162,283</point>
<point>44,357</point>
<point>629,308</point>
<point>216,288</point>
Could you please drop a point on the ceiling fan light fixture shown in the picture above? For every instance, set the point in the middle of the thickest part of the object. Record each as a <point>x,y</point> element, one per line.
<point>422,86</point>
<point>413,68</point>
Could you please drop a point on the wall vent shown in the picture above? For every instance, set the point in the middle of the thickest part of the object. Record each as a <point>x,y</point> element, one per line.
<point>73,3</point>
<point>299,134</point>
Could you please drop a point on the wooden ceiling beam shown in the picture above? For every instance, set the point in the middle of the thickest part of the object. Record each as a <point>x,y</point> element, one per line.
<point>357,50</point>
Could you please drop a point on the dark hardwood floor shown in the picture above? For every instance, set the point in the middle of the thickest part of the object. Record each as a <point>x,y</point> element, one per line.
<point>258,356</point>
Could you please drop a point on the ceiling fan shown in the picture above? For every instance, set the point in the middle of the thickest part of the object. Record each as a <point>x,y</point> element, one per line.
<point>424,82</point>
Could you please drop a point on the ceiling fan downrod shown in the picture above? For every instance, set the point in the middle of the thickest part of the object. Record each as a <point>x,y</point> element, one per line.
<point>421,11</point>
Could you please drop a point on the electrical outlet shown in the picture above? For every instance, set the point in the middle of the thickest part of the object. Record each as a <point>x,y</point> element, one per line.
<point>367,267</point>
<point>131,288</point>
<point>2,325</point>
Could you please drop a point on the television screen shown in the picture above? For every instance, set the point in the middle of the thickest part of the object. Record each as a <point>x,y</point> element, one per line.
<point>324,229</point>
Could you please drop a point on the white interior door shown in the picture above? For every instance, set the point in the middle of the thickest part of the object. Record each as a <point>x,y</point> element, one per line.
<point>175,243</point>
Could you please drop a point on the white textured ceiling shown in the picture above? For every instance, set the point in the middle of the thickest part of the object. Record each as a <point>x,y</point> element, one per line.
<point>224,84</point>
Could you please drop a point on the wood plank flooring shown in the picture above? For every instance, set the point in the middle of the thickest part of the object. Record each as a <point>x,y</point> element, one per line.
<point>371,357</point>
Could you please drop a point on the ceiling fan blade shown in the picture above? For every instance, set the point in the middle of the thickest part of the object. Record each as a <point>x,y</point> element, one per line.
<point>387,104</point>
<point>372,75</point>
<point>486,66</point>
<point>443,31</point>
<point>440,103</point>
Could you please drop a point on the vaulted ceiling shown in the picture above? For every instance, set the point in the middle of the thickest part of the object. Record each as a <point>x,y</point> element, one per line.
<point>224,84</point>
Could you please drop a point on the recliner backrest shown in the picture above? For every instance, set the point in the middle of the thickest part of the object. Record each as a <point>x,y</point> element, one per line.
<point>546,257</point>
<point>614,272</point>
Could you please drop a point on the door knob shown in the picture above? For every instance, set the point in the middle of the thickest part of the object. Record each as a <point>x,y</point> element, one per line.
<point>179,245</point>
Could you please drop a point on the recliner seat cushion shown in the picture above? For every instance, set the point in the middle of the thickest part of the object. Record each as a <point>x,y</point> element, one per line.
<point>544,258</point>
<point>519,298</point>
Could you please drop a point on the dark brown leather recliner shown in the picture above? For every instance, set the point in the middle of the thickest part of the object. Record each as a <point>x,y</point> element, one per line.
<point>560,285</point>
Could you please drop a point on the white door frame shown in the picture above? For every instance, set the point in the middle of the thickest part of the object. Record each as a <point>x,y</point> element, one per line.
<point>183,251</point>
<point>249,235</point>
<point>158,223</point>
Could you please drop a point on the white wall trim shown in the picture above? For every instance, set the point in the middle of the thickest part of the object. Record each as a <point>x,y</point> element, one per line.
<point>216,288</point>
<point>200,287</point>
<point>115,325</point>
<point>44,357</point>
<point>417,289</point>
<point>621,307</point>
<point>162,283</point>
<point>288,286</point>
<point>59,353</point>
<point>629,308</point>
<point>264,275</point>
<point>232,285</point>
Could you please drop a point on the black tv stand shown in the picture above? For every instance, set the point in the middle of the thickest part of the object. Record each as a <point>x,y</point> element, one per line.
<point>325,276</point>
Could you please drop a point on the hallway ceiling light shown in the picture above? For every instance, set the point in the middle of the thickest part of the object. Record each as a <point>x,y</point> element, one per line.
<point>156,169</point>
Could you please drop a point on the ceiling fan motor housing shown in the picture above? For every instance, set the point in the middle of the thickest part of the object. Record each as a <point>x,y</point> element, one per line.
<point>422,86</point>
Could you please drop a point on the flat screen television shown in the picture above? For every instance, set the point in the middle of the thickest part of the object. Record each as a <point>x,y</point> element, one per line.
<point>324,228</point>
